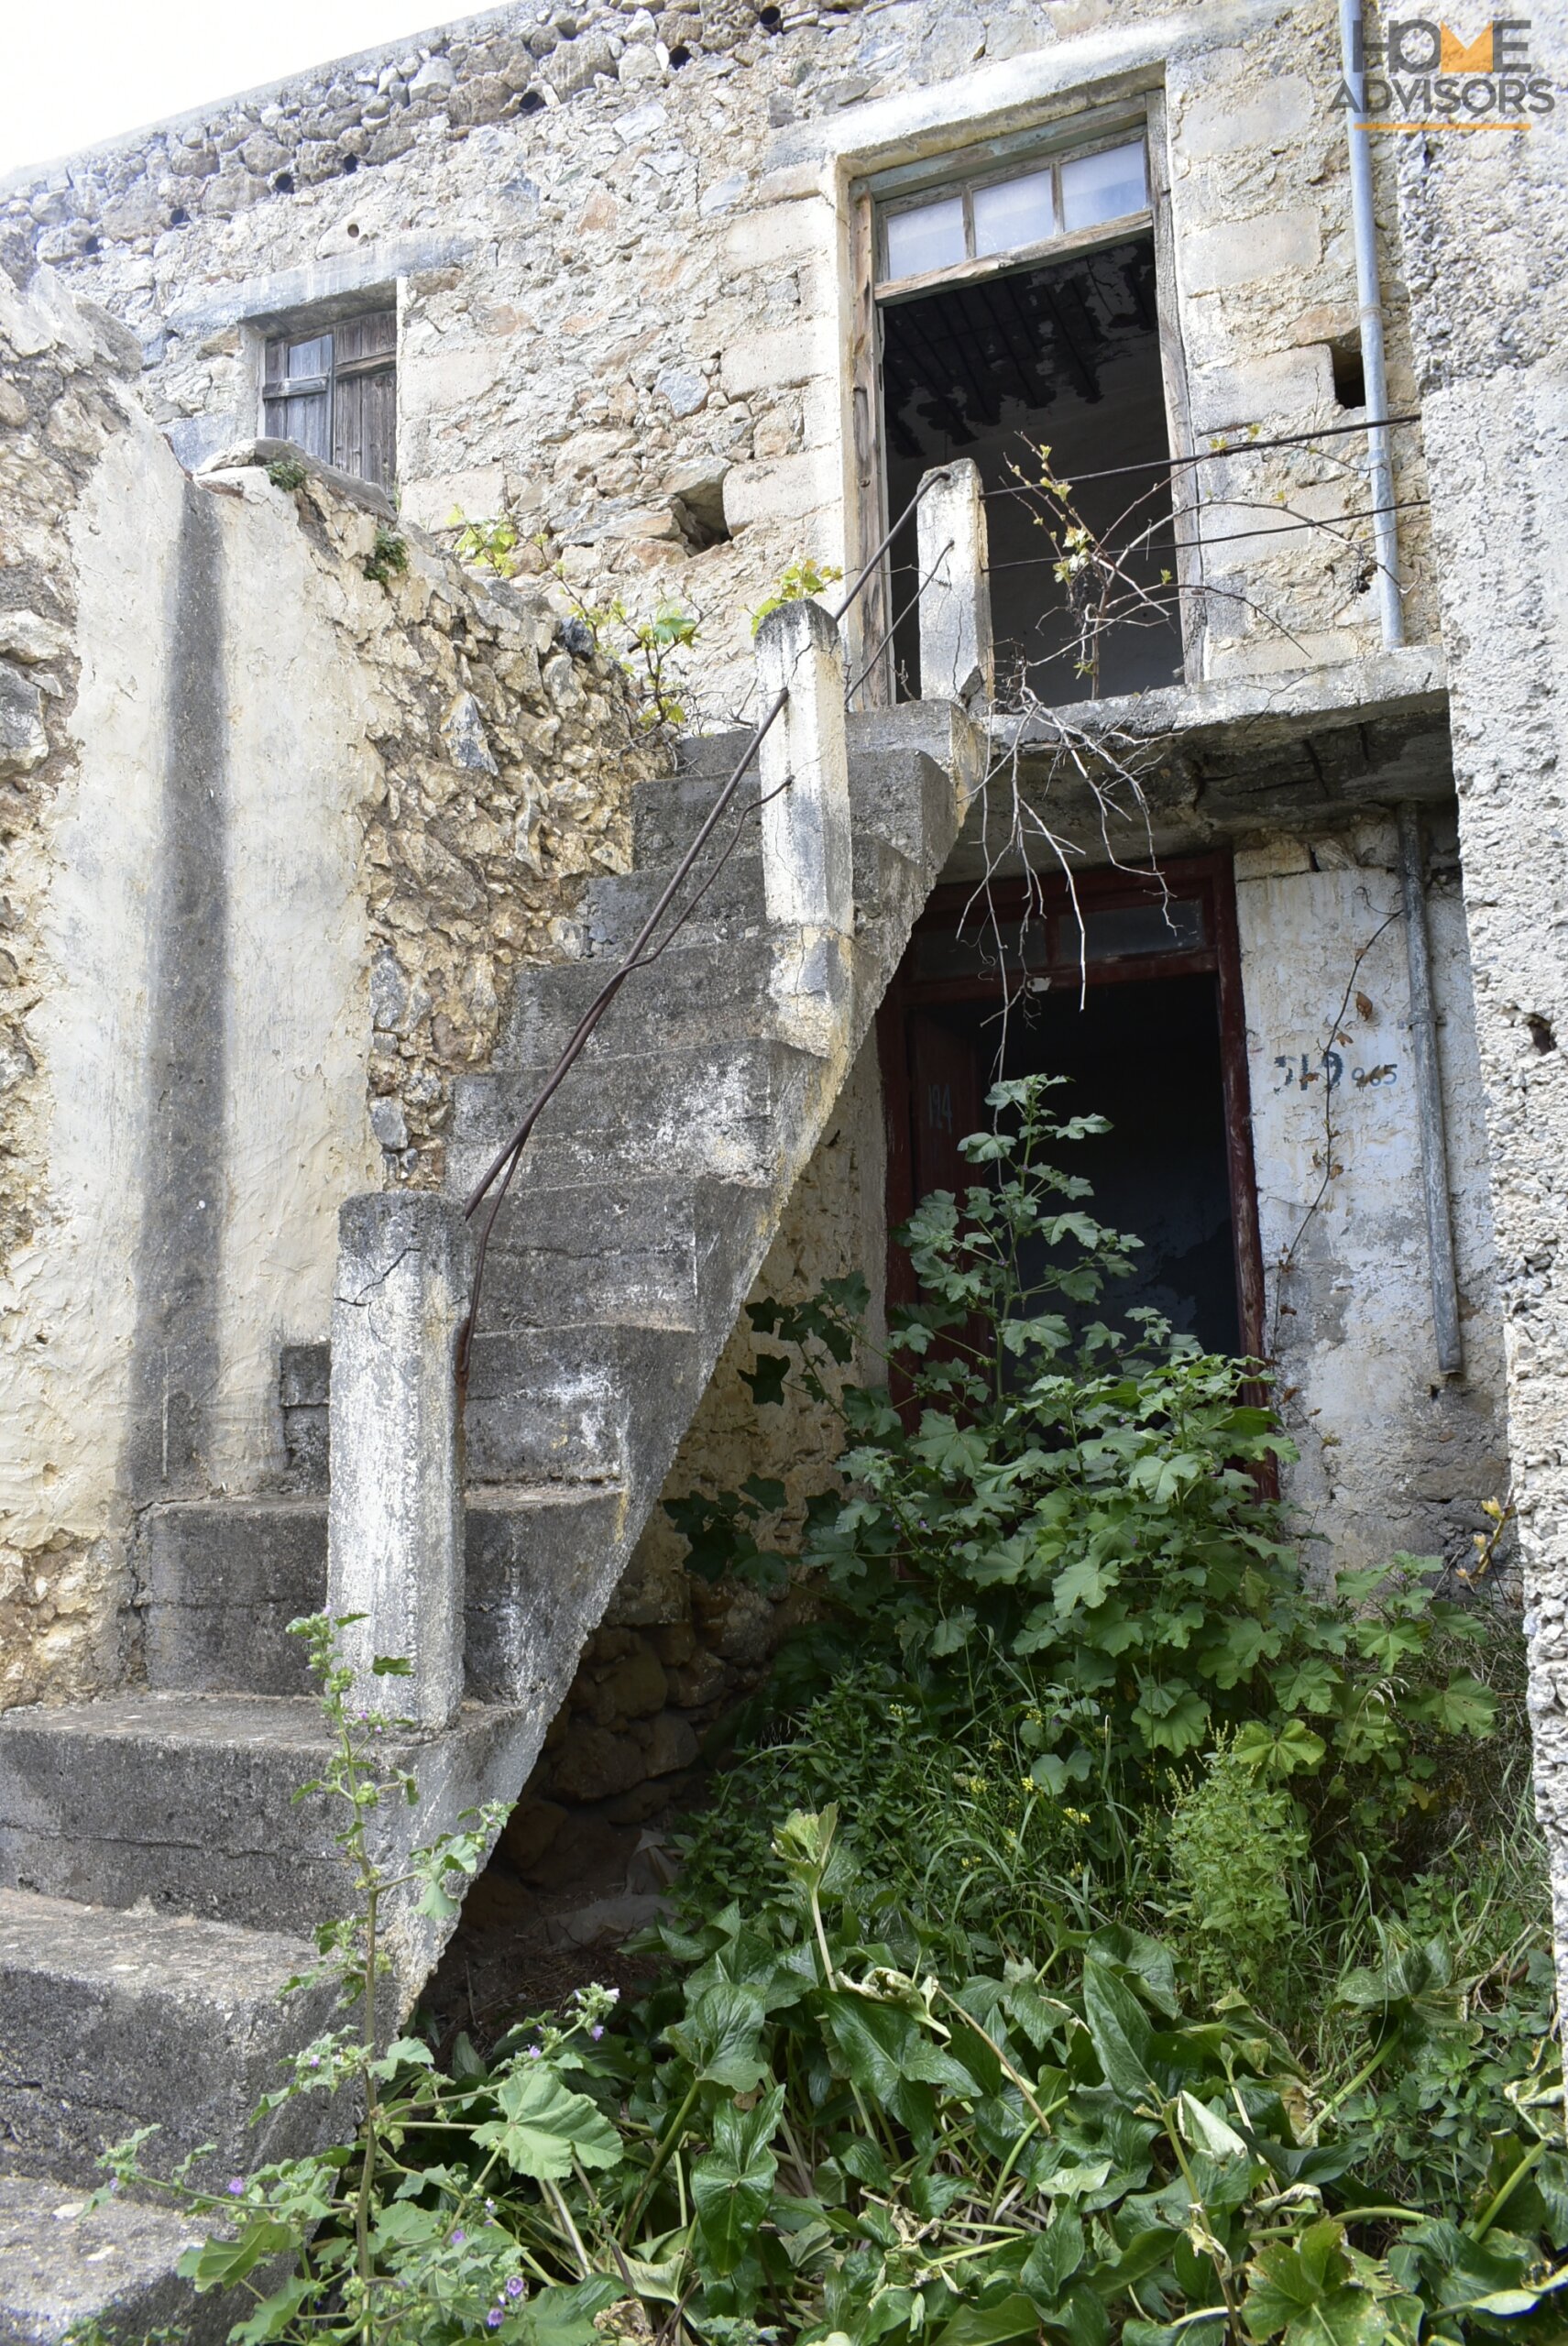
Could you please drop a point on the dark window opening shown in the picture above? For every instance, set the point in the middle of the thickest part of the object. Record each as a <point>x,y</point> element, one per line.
<point>335,394</point>
<point>1140,1008</point>
<point>1349,373</point>
<point>1065,357</point>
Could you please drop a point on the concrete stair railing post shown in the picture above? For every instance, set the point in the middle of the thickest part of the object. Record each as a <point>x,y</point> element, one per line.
<point>808,877</point>
<point>958,659</point>
<point>395,1549</point>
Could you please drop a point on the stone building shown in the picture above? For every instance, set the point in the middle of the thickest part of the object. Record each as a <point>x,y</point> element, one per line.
<point>329,808</point>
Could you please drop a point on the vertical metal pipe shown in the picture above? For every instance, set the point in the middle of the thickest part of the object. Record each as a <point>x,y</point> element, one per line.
<point>1429,1099</point>
<point>1369,296</point>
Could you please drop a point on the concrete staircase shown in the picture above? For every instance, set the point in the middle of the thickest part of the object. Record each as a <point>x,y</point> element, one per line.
<point>157,1880</point>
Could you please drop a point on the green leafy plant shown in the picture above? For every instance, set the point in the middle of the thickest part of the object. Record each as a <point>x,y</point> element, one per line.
<point>486,546</point>
<point>287,473</point>
<point>919,2065</point>
<point>796,583</point>
<point>1237,1844</point>
<point>1086,1505</point>
<point>388,556</point>
<point>647,646</point>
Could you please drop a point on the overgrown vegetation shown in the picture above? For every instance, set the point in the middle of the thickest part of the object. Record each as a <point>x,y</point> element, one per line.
<point>387,556</point>
<point>1103,1936</point>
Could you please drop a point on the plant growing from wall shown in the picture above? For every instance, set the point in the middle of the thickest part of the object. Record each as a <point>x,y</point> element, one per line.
<point>486,546</point>
<point>796,583</point>
<point>649,647</point>
<point>388,556</point>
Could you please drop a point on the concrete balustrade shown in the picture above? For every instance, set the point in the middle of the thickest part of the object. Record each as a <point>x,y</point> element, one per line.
<point>958,659</point>
<point>395,1518</point>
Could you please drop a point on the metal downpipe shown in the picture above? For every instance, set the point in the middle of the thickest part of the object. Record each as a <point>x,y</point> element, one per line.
<point>1369,297</point>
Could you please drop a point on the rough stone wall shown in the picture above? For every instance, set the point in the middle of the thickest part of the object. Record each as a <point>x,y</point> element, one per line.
<point>1392,1455</point>
<point>1486,248</point>
<point>276,832</point>
<point>502,763</point>
<point>619,246</point>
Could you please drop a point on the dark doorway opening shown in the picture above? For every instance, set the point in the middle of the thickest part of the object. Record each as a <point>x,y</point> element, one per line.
<point>1064,357</point>
<point>1135,996</point>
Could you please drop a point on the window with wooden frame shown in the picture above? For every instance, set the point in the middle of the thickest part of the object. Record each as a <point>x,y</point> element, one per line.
<point>334,392</point>
<point>1008,303</point>
<point>1000,216</point>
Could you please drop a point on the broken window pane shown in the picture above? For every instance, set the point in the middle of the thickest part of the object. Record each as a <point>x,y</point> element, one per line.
<point>931,237</point>
<point>1015,213</point>
<point>1103,187</point>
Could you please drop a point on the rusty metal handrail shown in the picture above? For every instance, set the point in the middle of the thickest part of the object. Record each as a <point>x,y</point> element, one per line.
<point>504,1165</point>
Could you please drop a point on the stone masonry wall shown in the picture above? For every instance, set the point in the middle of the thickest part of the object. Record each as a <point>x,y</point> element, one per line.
<point>286,795</point>
<point>505,747</point>
<point>1485,252</point>
<point>618,243</point>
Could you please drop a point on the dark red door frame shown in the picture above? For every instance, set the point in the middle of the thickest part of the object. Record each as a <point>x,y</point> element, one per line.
<point>1207,880</point>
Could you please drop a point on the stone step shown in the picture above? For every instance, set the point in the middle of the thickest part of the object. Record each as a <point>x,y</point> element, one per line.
<point>728,906</point>
<point>62,2269</point>
<point>223,1578</point>
<point>649,1253</point>
<point>899,791</point>
<point>577,1405</point>
<point>713,1110</point>
<point>180,1804</point>
<point>109,2022</point>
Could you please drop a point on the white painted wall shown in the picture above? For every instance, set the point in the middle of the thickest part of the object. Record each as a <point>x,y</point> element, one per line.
<point>1392,1455</point>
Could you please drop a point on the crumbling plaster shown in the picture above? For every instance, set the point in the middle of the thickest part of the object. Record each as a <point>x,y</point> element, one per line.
<point>623,278</point>
<point>277,830</point>
<point>1485,240</point>
<point>1391,1454</point>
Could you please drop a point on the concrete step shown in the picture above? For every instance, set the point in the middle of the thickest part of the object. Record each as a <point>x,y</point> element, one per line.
<point>180,1803</point>
<point>576,1405</point>
<point>728,906</point>
<point>62,2269</point>
<point>109,2022</point>
<point>711,1111</point>
<point>223,1578</point>
<point>900,760</point>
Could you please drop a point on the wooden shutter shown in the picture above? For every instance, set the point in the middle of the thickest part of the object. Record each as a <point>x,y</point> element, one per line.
<point>296,398</point>
<point>365,402</point>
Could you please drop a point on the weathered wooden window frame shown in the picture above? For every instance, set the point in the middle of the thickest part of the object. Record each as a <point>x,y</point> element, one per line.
<point>281,337</point>
<point>974,161</point>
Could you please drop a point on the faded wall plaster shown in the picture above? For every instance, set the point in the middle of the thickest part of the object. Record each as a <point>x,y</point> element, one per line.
<point>1391,1456</point>
<point>1486,248</point>
<point>268,876</point>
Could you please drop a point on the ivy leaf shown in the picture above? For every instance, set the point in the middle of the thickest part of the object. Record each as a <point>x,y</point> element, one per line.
<point>543,2126</point>
<point>217,2263</point>
<point>1015,2317</point>
<point>564,2314</point>
<point>1461,1707</point>
<point>1083,1583</point>
<point>721,2036</point>
<point>1119,2031</point>
<point>1054,2259</point>
<point>732,2184</point>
